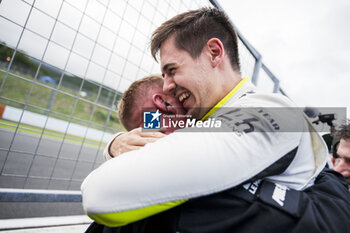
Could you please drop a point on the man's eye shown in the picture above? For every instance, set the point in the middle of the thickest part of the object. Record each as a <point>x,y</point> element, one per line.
<point>347,160</point>
<point>172,71</point>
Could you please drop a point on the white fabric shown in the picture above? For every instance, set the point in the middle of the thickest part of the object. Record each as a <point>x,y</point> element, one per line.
<point>187,165</point>
<point>106,154</point>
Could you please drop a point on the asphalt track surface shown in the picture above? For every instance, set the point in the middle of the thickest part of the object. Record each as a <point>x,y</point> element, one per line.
<point>67,162</point>
<point>33,160</point>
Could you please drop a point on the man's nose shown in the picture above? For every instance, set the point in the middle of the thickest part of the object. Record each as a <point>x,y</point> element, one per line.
<point>168,85</point>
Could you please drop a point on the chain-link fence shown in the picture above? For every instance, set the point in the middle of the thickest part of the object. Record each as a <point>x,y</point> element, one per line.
<point>63,67</point>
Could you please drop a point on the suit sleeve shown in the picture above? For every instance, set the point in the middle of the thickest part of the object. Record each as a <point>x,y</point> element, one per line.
<point>106,154</point>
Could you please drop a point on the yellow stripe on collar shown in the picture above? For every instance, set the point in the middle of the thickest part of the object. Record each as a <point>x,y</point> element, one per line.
<point>224,100</point>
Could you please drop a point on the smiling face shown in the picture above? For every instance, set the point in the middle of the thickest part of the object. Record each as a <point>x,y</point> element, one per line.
<point>192,81</point>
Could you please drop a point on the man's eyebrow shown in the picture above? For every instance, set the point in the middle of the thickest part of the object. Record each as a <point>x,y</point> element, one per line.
<point>166,66</point>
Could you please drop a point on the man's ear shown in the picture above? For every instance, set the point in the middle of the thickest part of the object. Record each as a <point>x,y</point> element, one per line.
<point>215,50</point>
<point>333,160</point>
<point>159,101</point>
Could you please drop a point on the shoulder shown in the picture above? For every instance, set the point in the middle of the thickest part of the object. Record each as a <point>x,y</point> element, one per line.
<point>263,99</point>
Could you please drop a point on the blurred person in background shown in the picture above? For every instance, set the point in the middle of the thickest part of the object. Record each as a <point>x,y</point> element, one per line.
<point>341,151</point>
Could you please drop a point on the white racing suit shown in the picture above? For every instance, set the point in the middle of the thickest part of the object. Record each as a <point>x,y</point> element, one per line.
<point>256,144</point>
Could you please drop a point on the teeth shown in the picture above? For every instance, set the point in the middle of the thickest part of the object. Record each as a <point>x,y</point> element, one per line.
<point>183,96</point>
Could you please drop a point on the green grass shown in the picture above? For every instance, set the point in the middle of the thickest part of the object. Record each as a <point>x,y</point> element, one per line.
<point>19,89</point>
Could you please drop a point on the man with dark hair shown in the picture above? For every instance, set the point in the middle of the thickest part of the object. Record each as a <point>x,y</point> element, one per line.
<point>341,152</point>
<point>191,32</point>
<point>194,177</point>
<point>146,89</point>
<point>194,29</point>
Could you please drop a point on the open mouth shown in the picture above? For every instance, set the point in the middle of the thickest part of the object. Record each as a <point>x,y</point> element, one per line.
<point>183,97</point>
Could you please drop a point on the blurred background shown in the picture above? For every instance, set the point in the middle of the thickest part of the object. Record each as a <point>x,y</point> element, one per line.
<point>304,42</point>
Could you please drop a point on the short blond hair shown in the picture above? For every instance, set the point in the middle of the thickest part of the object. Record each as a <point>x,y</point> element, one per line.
<point>136,91</point>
